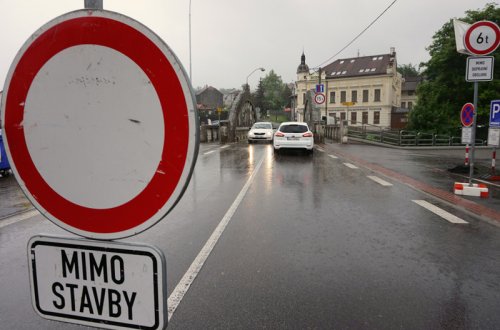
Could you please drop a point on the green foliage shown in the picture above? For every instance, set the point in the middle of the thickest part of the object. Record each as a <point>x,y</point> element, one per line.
<point>272,93</point>
<point>444,91</point>
<point>258,96</point>
<point>408,70</point>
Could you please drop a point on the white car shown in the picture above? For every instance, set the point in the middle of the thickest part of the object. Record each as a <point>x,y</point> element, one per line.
<point>261,131</point>
<point>293,135</point>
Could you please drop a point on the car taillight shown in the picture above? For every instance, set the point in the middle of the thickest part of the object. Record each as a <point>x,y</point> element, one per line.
<point>308,134</point>
<point>279,134</point>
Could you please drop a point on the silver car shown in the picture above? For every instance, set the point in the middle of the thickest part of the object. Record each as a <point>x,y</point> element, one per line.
<point>261,131</point>
<point>293,135</point>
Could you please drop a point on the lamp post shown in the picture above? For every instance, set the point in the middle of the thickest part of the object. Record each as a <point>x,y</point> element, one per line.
<point>261,69</point>
<point>93,4</point>
<point>190,65</point>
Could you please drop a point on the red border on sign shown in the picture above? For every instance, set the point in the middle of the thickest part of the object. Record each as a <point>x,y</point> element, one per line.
<point>317,95</point>
<point>146,54</point>
<point>488,50</point>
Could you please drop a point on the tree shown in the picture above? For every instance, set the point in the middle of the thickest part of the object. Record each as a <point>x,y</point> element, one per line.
<point>286,95</point>
<point>258,96</point>
<point>444,90</point>
<point>273,91</point>
<point>408,70</point>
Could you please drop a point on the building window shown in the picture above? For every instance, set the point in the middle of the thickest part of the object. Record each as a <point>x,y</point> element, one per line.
<point>332,97</point>
<point>365,95</point>
<point>342,96</point>
<point>410,105</point>
<point>303,98</point>
<point>364,117</point>
<point>354,96</point>
<point>376,117</point>
<point>377,95</point>
<point>342,116</point>
<point>353,117</point>
<point>403,104</point>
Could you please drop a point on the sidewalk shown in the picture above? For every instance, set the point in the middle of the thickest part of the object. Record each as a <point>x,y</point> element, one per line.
<point>426,171</point>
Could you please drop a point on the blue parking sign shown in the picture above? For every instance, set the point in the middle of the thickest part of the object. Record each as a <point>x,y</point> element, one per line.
<point>495,113</point>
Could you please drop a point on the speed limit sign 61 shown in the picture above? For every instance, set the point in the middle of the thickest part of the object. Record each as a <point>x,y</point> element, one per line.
<point>482,38</point>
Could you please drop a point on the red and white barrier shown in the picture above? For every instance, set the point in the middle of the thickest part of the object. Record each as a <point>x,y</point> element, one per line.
<point>476,190</point>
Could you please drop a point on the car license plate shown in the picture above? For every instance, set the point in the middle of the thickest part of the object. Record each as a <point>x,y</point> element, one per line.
<point>292,138</point>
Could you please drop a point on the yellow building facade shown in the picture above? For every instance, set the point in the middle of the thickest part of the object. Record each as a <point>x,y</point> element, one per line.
<point>362,90</point>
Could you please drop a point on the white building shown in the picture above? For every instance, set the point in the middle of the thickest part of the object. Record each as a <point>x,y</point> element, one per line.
<point>362,90</point>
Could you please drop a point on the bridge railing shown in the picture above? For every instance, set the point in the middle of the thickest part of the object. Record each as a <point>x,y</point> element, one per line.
<point>216,133</point>
<point>405,138</point>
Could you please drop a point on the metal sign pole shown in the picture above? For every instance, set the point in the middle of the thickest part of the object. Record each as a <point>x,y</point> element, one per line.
<point>94,4</point>
<point>473,135</point>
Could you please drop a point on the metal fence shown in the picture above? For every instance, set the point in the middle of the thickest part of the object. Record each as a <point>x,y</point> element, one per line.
<point>405,138</point>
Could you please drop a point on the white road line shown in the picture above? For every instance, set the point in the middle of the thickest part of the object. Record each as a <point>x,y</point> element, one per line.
<point>18,217</point>
<point>379,181</point>
<point>319,149</point>
<point>350,165</point>
<point>333,157</point>
<point>224,147</point>
<point>442,213</point>
<point>184,284</point>
<point>208,152</point>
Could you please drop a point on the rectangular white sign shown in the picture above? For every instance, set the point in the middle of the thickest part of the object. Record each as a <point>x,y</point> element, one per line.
<point>494,137</point>
<point>479,68</point>
<point>466,135</point>
<point>96,283</point>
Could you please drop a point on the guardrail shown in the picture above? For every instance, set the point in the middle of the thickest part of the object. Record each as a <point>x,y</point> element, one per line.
<point>405,138</point>
<point>214,133</point>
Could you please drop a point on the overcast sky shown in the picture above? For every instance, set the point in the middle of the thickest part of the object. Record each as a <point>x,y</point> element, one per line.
<point>230,38</point>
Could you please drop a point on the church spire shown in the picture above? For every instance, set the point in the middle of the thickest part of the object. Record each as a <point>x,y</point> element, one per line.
<point>303,68</point>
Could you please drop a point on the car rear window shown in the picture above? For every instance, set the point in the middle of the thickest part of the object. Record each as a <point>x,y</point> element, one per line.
<point>268,126</point>
<point>293,129</point>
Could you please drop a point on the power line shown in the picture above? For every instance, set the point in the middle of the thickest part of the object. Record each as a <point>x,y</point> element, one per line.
<point>359,35</point>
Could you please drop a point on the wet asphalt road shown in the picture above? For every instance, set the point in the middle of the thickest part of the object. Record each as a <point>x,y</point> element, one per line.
<point>314,244</point>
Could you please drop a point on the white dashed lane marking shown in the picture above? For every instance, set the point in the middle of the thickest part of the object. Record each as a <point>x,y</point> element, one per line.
<point>351,165</point>
<point>379,181</point>
<point>442,213</point>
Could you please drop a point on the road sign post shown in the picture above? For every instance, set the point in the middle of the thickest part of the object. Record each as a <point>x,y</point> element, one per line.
<point>479,68</point>
<point>117,286</point>
<point>467,114</point>
<point>495,113</point>
<point>481,38</point>
<point>100,124</point>
<point>319,98</point>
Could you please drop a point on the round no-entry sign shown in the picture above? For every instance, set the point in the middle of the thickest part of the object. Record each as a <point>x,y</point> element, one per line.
<point>482,38</point>
<point>467,114</point>
<point>100,124</point>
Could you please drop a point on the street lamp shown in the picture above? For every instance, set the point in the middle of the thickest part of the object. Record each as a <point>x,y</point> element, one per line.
<point>190,63</point>
<point>261,69</point>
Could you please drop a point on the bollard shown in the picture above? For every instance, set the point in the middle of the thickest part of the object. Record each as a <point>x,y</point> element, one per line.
<point>493,161</point>
<point>467,155</point>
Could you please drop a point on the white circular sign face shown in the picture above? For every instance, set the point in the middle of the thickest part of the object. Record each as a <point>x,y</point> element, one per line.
<point>319,98</point>
<point>482,38</point>
<point>59,99</point>
<point>100,124</point>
